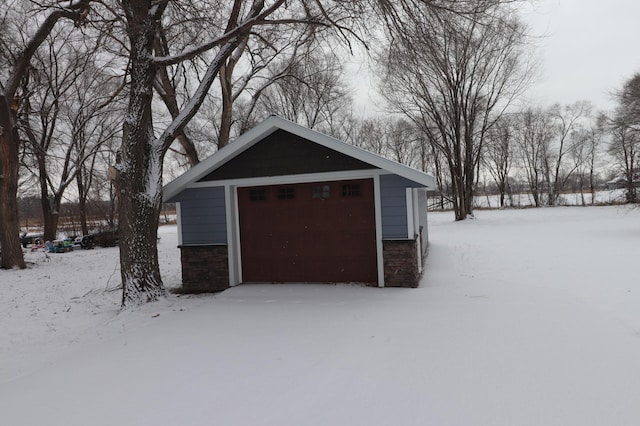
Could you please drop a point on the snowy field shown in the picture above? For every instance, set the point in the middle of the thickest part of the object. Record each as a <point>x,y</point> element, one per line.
<point>604,197</point>
<point>524,317</point>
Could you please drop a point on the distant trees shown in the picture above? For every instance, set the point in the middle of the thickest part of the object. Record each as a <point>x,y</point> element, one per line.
<point>498,154</point>
<point>624,127</point>
<point>393,137</point>
<point>20,41</point>
<point>454,76</point>
<point>65,118</point>
<point>309,91</point>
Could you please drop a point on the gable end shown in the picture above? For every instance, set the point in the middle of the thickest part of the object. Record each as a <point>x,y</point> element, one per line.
<point>283,153</point>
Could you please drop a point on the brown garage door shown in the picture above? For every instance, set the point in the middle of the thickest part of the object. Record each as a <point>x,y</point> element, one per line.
<point>312,232</point>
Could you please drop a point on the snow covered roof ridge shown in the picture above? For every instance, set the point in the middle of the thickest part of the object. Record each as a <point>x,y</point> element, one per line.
<point>274,123</point>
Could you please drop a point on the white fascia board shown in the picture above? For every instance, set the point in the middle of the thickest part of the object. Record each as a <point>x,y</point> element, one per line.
<point>200,170</point>
<point>291,179</point>
<point>353,151</point>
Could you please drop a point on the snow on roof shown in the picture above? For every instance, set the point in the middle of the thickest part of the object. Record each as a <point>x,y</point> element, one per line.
<point>270,125</point>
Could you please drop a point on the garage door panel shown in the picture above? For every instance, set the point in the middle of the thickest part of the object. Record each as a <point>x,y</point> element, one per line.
<point>312,232</point>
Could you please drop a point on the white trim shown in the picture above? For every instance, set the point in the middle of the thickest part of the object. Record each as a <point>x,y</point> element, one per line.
<point>411,230</point>
<point>416,221</point>
<point>230,219</point>
<point>272,124</point>
<point>236,236</point>
<point>179,223</point>
<point>291,179</point>
<point>378,215</point>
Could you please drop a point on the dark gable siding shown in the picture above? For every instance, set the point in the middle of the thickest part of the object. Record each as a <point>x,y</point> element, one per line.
<point>203,216</point>
<point>283,153</point>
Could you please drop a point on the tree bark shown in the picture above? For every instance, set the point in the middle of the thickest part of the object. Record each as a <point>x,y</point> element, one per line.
<point>138,172</point>
<point>82,203</point>
<point>11,250</point>
<point>226,119</point>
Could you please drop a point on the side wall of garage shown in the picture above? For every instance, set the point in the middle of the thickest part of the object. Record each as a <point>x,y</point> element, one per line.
<point>402,253</point>
<point>203,248</point>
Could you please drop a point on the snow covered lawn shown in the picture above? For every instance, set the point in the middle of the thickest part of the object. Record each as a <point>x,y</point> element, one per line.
<point>528,317</point>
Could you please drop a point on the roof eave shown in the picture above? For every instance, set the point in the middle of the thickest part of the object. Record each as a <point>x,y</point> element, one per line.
<point>270,125</point>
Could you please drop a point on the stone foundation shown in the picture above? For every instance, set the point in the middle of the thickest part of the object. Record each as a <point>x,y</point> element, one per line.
<point>205,269</point>
<point>400,263</point>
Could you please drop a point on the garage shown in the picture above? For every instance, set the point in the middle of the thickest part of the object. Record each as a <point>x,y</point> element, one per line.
<point>286,204</point>
<point>308,232</point>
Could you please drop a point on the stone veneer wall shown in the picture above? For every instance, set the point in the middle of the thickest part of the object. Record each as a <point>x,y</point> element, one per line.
<point>400,263</point>
<point>205,269</point>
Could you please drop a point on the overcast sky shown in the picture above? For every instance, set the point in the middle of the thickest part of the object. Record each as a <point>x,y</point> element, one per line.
<point>588,48</point>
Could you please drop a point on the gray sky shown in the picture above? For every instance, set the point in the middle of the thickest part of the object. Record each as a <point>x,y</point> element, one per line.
<point>588,48</point>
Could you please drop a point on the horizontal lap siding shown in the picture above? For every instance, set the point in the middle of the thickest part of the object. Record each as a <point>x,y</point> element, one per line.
<point>203,216</point>
<point>393,201</point>
<point>283,153</point>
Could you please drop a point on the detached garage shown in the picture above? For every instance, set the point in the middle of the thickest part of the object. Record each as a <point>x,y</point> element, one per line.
<point>284,203</point>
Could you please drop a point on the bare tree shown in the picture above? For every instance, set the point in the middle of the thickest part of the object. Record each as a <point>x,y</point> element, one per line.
<point>63,117</point>
<point>138,170</point>
<point>534,134</point>
<point>454,76</point>
<point>584,150</point>
<point>310,92</point>
<point>498,154</point>
<point>567,119</point>
<point>624,127</point>
<point>17,55</point>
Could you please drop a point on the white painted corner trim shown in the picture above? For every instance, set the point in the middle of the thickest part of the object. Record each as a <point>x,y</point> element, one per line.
<point>378,217</point>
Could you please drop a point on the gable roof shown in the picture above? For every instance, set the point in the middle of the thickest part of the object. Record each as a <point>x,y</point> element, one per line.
<point>274,123</point>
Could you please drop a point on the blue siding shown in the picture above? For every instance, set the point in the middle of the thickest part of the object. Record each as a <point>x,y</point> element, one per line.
<point>393,200</point>
<point>203,216</point>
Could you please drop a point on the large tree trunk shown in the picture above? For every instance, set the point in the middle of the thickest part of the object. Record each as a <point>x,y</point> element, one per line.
<point>82,203</point>
<point>10,230</point>
<point>50,208</point>
<point>50,216</point>
<point>227,107</point>
<point>138,172</point>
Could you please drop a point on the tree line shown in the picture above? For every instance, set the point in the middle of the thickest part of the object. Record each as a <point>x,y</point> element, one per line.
<point>102,99</point>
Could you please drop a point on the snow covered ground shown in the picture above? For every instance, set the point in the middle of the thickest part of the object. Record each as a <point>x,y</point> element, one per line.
<point>524,317</point>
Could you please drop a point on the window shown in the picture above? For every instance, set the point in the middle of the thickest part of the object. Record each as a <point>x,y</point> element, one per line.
<point>259,194</point>
<point>321,192</point>
<point>287,193</point>
<point>351,190</point>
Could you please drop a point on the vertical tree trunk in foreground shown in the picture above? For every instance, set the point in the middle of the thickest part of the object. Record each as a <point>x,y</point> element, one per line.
<point>9,237</point>
<point>138,172</point>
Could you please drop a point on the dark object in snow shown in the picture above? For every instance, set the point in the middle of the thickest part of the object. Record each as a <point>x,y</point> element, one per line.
<point>87,242</point>
<point>107,238</point>
<point>29,239</point>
